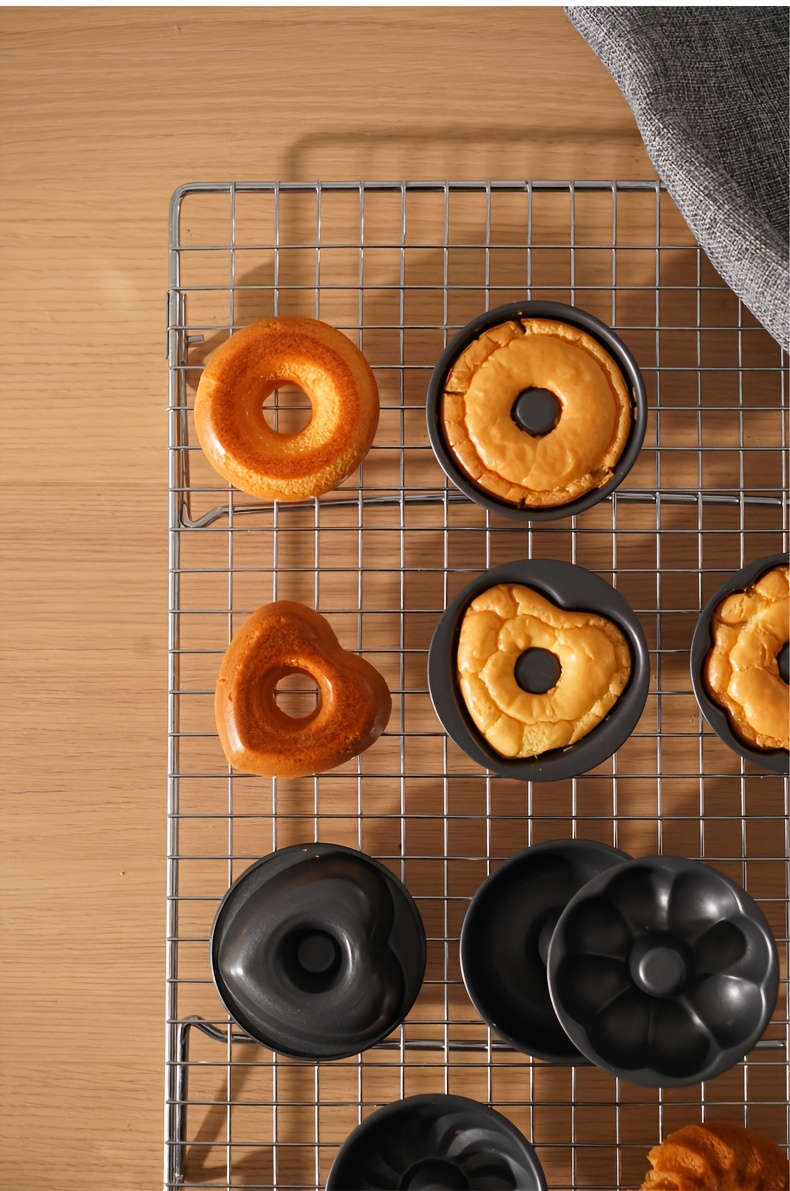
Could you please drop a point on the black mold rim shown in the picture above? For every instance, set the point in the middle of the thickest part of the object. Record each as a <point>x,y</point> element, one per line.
<point>487,911</point>
<point>575,589</point>
<point>408,932</point>
<point>777,760</point>
<point>450,1115</point>
<point>562,313</point>
<point>698,880</point>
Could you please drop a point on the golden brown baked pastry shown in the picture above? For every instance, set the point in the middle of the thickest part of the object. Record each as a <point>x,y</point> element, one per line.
<point>503,622</point>
<point>716,1157</point>
<point>234,434</point>
<point>582,450</point>
<point>284,638</point>
<point>741,671</point>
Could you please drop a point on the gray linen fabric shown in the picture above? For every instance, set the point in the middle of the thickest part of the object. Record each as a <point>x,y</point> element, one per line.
<point>709,90</point>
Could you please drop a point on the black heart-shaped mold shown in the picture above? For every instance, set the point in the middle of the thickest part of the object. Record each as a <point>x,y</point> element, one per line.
<point>318,951</point>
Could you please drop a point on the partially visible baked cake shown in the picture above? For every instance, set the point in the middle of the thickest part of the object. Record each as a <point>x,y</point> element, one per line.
<point>717,1157</point>
<point>741,671</point>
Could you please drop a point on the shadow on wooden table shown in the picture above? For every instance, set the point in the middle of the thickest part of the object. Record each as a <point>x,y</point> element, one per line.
<point>507,150</point>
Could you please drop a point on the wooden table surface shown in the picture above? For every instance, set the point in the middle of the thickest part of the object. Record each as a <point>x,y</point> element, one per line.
<point>105,112</point>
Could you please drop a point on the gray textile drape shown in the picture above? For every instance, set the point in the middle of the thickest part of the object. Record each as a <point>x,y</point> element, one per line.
<point>709,90</point>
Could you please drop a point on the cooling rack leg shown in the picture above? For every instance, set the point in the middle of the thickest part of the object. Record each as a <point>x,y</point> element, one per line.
<point>178,1150</point>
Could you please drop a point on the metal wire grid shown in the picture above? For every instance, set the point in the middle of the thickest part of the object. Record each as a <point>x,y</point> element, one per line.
<point>399,267</point>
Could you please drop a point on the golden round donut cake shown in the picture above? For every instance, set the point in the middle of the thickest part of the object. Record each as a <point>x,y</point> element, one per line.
<point>716,1156</point>
<point>501,624</point>
<point>517,467</point>
<point>283,638</point>
<point>234,434</point>
<point>741,671</point>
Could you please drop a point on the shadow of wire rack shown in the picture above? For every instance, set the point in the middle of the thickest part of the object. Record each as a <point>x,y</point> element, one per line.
<point>399,267</point>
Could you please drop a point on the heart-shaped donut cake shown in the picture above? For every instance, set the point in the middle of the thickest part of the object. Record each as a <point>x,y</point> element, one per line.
<point>591,664</point>
<point>257,736</point>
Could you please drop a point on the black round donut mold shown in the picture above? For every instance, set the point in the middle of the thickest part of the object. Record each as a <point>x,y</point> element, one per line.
<point>777,760</point>
<point>663,971</point>
<point>573,316</point>
<point>571,587</point>
<point>318,951</point>
<point>505,940</point>
<point>441,1143</point>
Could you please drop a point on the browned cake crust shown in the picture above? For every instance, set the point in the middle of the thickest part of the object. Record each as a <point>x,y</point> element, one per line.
<point>583,449</point>
<point>237,439</point>
<point>717,1157</point>
<point>497,627</point>
<point>284,638</point>
<point>741,671</point>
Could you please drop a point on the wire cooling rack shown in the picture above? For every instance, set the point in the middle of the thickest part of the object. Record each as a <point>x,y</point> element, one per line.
<point>399,267</point>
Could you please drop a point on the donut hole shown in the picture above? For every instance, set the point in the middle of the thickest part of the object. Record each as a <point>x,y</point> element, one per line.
<point>783,661</point>
<point>297,694</point>
<point>287,410</point>
<point>537,671</point>
<point>311,958</point>
<point>537,411</point>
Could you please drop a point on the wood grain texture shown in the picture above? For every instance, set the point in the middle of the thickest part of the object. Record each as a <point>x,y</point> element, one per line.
<point>105,112</point>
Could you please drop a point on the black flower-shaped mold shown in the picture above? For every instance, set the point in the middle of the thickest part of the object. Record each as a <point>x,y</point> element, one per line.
<point>575,317</point>
<point>777,760</point>
<point>663,971</point>
<point>505,941</point>
<point>441,1143</point>
<point>568,586</point>
<point>318,951</point>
